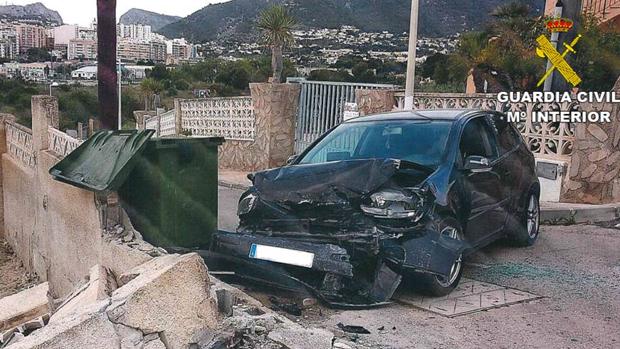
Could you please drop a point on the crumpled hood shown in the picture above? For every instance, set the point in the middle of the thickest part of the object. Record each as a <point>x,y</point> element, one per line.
<point>324,184</point>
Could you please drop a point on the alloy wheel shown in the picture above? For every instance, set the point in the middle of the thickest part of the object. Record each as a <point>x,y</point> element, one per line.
<point>533,217</point>
<point>453,233</point>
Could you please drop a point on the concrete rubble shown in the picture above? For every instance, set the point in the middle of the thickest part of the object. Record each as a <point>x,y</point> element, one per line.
<point>169,302</point>
<point>24,306</point>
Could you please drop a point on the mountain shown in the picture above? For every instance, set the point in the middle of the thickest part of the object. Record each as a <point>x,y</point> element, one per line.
<point>155,20</point>
<point>36,12</point>
<point>235,19</point>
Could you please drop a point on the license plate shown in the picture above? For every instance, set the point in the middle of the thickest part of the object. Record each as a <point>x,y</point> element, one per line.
<point>282,255</point>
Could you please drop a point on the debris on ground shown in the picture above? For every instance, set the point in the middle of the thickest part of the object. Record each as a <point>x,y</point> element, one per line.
<point>289,308</point>
<point>353,329</point>
<point>13,276</point>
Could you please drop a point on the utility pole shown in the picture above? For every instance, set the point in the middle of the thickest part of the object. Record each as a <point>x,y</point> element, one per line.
<point>413,43</point>
<point>120,93</point>
<point>106,64</point>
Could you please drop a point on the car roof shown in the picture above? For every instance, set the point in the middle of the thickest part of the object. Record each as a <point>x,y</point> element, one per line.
<point>431,115</point>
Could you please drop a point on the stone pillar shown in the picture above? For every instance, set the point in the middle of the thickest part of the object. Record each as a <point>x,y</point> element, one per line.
<point>375,101</point>
<point>275,108</point>
<point>595,164</point>
<point>139,115</point>
<point>44,114</point>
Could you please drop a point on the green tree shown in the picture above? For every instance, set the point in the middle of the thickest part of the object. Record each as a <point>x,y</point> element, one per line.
<point>150,87</point>
<point>160,72</point>
<point>597,60</point>
<point>36,54</point>
<point>277,25</point>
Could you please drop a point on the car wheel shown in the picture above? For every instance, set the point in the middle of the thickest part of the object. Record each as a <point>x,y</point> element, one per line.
<point>528,227</point>
<point>437,286</point>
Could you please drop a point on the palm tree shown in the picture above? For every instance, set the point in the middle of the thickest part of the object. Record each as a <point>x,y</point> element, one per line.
<point>149,88</point>
<point>277,25</point>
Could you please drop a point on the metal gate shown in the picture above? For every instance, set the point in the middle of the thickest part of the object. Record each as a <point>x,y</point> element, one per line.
<point>321,107</point>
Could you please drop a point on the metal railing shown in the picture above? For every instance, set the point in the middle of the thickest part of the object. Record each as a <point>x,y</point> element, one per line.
<point>552,140</point>
<point>321,107</point>
<point>61,143</point>
<point>19,144</point>
<point>229,117</point>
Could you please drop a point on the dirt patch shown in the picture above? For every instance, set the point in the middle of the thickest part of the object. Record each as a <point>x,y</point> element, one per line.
<point>13,276</point>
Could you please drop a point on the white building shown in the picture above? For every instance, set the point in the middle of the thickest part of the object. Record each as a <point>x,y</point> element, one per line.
<point>85,73</point>
<point>65,33</point>
<point>9,42</point>
<point>137,72</point>
<point>134,31</point>
<point>35,72</point>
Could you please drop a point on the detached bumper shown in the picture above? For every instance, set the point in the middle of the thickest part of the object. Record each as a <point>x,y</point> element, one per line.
<point>369,280</point>
<point>327,258</point>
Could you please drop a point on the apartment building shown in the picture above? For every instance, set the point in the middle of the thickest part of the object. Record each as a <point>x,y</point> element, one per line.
<point>9,43</point>
<point>132,50</point>
<point>31,36</point>
<point>84,49</point>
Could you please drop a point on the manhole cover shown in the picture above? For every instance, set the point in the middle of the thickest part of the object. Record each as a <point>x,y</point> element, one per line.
<point>470,296</point>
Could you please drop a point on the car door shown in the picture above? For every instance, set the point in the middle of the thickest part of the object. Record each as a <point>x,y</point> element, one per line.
<point>510,164</point>
<point>484,190</point>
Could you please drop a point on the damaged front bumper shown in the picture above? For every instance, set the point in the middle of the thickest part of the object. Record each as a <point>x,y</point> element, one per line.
<point>343,274</point>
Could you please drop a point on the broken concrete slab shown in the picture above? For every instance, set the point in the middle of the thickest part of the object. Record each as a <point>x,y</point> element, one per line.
<point>24,306</point>
<point>302,338</point>
<point>90,329</point>
<point>170,295</point>
<point>100,286</point>
<point>166,303</point>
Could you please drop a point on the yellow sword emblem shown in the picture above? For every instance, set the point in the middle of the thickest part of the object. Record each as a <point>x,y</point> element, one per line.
<point>547,50</point>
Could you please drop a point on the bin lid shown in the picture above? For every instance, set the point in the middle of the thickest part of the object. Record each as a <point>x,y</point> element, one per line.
<point>104,161</point>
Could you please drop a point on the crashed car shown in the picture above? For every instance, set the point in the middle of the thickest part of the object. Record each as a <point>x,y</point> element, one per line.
<point>382,197</point>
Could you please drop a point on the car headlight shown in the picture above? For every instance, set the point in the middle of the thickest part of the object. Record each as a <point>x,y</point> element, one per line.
<point>247,204</point>
<point>396,204</point>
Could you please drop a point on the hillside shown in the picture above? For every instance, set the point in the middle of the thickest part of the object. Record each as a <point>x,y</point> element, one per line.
<point>234,19</point>
<point>36,12</point>
<point>155,20</point>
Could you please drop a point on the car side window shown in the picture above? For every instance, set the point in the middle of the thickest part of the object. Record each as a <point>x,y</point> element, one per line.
<point>508,138</point>
<point>477,140</point>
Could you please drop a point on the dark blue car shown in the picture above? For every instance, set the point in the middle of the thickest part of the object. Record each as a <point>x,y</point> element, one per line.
<point>382,197</point>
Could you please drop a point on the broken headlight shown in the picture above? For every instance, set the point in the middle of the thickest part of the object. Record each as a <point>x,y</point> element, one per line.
<point>396,204</point>
<point>247,204</point>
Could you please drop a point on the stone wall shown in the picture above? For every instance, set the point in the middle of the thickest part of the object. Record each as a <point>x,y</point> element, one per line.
<point>54,228</point>
<point>374,101</point>
<point>595,165</point>
<point>274,109</point>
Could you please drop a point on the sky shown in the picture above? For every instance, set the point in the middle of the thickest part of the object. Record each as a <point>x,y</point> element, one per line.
<point>84,11</point>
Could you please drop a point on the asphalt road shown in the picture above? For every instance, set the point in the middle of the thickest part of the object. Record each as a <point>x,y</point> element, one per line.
<point>575,268</point>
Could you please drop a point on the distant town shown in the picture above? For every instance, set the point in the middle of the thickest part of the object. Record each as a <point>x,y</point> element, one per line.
<point>41,53</point>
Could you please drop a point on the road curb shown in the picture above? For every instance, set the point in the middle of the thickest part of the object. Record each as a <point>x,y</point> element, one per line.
<point>585,214</point>
<point>231,185</point>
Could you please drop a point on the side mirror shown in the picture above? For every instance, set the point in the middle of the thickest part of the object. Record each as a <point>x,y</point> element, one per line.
<point>477,164</point>
<point>291,159</point>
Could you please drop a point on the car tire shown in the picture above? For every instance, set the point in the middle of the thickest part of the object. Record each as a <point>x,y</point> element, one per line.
<point>527,228</point>
<point>436,286</point>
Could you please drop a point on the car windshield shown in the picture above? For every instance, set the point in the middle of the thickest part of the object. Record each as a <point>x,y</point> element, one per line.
<point>419,141</point>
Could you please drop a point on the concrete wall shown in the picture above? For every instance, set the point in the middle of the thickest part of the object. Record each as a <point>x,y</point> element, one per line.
<point>54,228</point>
